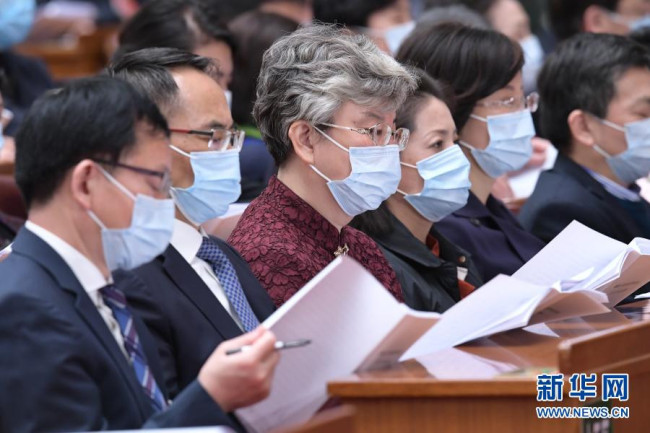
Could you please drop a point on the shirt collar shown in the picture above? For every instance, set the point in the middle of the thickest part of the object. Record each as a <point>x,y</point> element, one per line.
<point>186,239</point>
<point>613,188</point>
<point>89,275</point>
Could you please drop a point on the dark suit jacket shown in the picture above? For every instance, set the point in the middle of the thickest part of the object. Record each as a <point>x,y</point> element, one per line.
<point>568,192</point>
<point>429,283</point>
<point>60,367</point>
<point>492,235</point>
<point>184,316</point>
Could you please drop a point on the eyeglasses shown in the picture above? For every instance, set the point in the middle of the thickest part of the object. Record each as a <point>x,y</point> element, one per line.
<point>381,134</point>
<point>164,176</point>
<point>220,138</point>
<point>530,102</point>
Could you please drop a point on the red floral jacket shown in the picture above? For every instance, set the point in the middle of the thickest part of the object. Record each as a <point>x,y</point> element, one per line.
<point>286,243</point>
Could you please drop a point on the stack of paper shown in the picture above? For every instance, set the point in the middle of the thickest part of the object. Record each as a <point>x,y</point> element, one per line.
<point>502,304</point>
<point>353,323</point>
<point>580,258</point>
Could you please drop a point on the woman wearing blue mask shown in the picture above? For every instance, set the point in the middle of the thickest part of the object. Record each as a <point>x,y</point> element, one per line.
<point>495,127</point>
<point>326,104</point>
<point>434,273</point>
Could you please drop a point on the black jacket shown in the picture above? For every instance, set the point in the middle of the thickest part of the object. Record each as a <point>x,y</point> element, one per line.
<point>429,283</point>
<point>186,319</point>
<point>568,192</point>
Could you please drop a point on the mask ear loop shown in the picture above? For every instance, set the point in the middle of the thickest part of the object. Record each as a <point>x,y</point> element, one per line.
<point>114,181</point>
<point>331,139</point>
<point>174,148</point>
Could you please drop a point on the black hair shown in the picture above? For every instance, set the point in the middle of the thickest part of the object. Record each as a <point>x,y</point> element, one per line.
<point>475,62</point>
<point>480,6</point>
<point>641,36</point>
<point>254,33</point>
<point>379,222</point>
<point>182,24</point>
<point>567,15</point>
<point>148,72</point>
<point>88,118</point>
<point>581,74</point>
<point>351,13</point>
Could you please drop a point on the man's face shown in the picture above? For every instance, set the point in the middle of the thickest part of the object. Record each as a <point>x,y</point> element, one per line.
<point>630,104</point>
<point>619,22</point>
<point>201,106</point>
<point>221,53</point>
<point>152,153</point>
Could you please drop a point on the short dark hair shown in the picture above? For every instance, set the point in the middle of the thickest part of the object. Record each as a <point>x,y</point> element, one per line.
<point>566,15</point>
<point>88,118</point>
<point>254,33</point>
<point>148,72</point>
<point>351,13</point>
<point>480,6</point>
<point>641,36</point>
<point>474,62</point>
<point>379,222</point>
<point>182,24</point>
<point>581,74</point>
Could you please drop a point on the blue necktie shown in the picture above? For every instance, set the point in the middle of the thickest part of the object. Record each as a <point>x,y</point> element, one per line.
<point>211,253</point>
<point>116,301</point>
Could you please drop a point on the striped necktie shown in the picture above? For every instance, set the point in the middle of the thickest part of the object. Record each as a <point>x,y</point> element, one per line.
<point>116,301</point>
<point>225,272</point>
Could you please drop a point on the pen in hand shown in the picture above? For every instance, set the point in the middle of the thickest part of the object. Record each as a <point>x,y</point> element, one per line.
<point>279,345</point>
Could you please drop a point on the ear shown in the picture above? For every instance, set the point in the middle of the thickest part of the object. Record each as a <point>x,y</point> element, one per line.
<point>595,20</point>
<point>83,180</point>
<point>581,126</point>
<point>302,138</point>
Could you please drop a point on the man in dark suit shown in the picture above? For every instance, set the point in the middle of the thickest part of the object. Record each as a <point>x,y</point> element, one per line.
<point>186,297</point>
<point>92,164</point>
<point>595,108</point>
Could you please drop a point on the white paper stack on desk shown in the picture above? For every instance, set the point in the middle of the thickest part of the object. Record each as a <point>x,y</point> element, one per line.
<point>580,258</point>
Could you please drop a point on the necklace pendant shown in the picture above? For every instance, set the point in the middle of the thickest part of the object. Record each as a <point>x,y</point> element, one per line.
<point>341,250</point>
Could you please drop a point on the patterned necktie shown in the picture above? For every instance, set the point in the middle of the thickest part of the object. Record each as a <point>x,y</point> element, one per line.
<point>211,253</point>
<point>116,301</point>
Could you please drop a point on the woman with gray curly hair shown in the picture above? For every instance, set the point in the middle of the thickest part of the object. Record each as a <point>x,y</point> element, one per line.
<point>326,103</point>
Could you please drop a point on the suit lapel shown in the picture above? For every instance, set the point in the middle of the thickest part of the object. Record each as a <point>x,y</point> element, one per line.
<point>30,245</point>
<point>189,282</point>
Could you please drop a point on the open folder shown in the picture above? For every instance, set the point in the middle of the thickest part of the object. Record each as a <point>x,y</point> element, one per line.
<point>580,258</point>
<point>353,323</point>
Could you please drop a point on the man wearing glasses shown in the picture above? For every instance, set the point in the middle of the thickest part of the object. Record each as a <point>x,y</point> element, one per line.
<point>199,292</point>
<point>92,163</point>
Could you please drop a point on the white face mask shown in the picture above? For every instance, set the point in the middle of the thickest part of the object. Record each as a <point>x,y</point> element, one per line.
<point>152,225</point>
<point>510,146</point>
<point>446,184</point>
<point>228,94</point>
<point>534,60</point>
<point>375,175</point>
<point>397,34</point>
<point>633,163</point>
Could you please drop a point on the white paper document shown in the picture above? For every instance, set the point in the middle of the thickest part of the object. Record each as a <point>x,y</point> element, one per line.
<point>580,258</point>
<point>353,323</point>
<point>502,304</point>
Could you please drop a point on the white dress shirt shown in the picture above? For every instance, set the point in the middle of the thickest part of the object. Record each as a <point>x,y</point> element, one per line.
<point>88,275</point>
<point>187,241</point>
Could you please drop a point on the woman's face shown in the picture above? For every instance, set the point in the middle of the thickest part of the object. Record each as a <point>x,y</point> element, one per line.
<point>329,158</point>
<point>434,132</point>
<point>505,100</point>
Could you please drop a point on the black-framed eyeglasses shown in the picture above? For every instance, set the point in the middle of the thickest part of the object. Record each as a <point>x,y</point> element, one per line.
<point>220,138</point>
<point>164,176</point>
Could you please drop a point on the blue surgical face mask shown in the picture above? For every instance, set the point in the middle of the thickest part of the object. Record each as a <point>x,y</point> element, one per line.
<point>510,146</point>
<point>446,184</point>
<point>534,56</point>
<point>217,184</point>
<point>633,163</point>
<point>397,34</point>
<point>374,177</point>
<point>16,19</point>
<point>149,234</point>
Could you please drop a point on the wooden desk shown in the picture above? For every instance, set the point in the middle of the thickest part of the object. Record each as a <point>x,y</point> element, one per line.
<point>490,385</point>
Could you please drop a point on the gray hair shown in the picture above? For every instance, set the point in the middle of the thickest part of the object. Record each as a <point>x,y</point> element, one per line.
<point>309,74</point>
